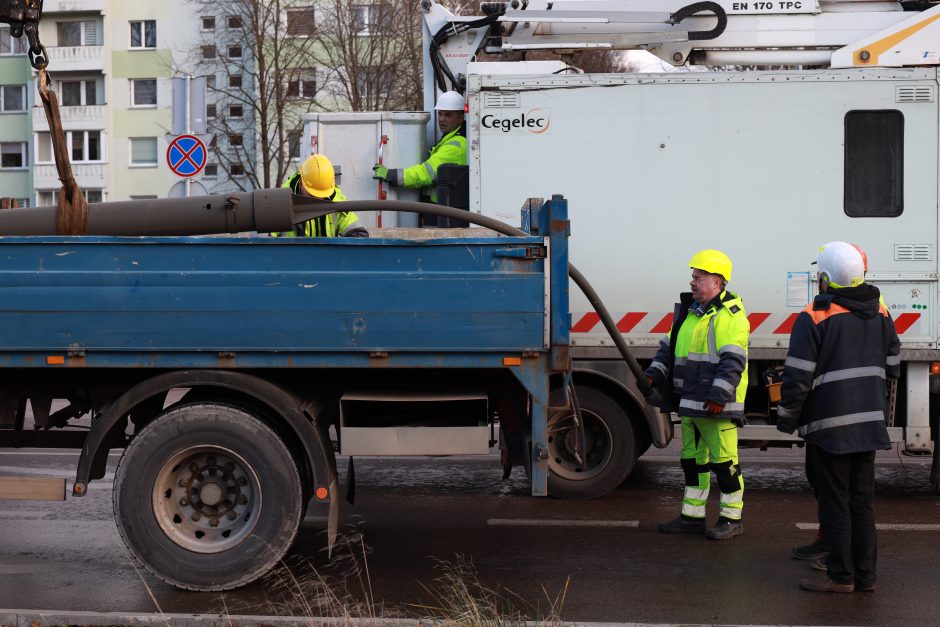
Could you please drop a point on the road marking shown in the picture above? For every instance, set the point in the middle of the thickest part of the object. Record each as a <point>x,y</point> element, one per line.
<point>882,527</point>
<point>544,522</point>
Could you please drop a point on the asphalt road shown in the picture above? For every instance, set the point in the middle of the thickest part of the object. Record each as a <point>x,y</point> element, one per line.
<point>418,522</point>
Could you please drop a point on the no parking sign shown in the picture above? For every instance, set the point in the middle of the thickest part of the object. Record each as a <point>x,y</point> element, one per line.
<point>186,155</point>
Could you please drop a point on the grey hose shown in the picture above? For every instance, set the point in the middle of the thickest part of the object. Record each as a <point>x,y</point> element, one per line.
<point>505,229</point>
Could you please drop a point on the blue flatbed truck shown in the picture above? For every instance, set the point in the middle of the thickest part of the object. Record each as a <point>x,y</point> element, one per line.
<point>231,370</point>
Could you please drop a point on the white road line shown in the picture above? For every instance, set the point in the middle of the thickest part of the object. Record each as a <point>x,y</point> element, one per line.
<point>882,526</point>
<point>39,452</point>
<point>544,522</point>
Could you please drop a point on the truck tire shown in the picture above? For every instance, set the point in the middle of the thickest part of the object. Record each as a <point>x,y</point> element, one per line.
<point>207,497</point>
<point>610,448</point>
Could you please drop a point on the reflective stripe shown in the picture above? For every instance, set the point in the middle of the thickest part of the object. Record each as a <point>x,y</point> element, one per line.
<point>800,364</point>
<point>431,171</point>
<point>893,360</point>
<point>661,367</point>
<point>731,513</point>
<point>713,359</point>
<point>693,511</point>
<point>849,373</point>
<point>783,412</point>
<point>666,341</point>
<point>694,494</point>
<point>712,345</point>
<point>454,143</point>
<point>724,385</point>
<point>678,383</point>
<point>681,361</point>
<point>842,421</point>
<point>732,348</point>
<point>730,408</point>
<point>730,498</point>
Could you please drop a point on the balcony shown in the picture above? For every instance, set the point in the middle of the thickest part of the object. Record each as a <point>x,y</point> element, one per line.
<point>71,6</point>
<point>76,58</point>
<point>87,175</point>
<point>86,118</point>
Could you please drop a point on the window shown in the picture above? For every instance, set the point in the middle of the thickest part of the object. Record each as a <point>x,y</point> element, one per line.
<point>234,21</point>
<point>143,92</point>
<point>210,111</point>
<point>211,170</point>
<point>50,197</point>
<point>13,155</point>
<point>235,80</point>
<point>208,22</point>
<point>9,44</point>
<point>144,34</point>
<point>301,22</point>
<point>144,151</point>
<point>874,164</point>
<point>77,34</point>
<point>293,144</point>
<point>12,98</point>
<point>78,93</point>
<point>235,140</point>
<point>376,79</point>
<point>369,19</point>
<point>236,111</point>
<point>208,52</point>
<point>303,84</point>
<point>17,202</point>
<point>236,169</point>
<point>210,81</point>
<point>82,146</point>
<point>234,52</point>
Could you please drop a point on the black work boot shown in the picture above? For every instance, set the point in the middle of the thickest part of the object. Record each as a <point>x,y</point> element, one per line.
<point>725,529</point>
<point>683,524</point>
<point>817,550</point>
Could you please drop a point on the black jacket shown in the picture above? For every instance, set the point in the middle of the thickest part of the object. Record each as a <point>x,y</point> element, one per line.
<point>843,348</point>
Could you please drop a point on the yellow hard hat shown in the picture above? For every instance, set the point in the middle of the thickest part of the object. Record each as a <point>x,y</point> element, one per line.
<point>712,261</point>
<point>317,176</point>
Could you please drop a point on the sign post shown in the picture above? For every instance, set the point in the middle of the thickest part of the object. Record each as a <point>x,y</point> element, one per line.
<point>186,154</point>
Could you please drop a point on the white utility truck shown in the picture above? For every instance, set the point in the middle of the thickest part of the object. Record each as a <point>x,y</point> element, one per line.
<point>764,165</point>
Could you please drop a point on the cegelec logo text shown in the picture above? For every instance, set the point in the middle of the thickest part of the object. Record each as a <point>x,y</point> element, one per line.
<point>535,121</point>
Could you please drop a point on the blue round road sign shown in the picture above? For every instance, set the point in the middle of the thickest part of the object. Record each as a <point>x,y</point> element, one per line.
<point>186,155</point>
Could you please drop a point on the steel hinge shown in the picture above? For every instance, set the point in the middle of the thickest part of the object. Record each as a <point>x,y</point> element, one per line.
<point>526,252</point>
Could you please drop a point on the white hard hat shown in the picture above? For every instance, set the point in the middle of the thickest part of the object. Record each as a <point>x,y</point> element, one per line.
<point>842,264</point>
<point>449,101</point>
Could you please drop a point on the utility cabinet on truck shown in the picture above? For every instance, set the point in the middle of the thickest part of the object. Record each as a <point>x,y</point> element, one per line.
<point>765,166</point>
<point>220,365</point>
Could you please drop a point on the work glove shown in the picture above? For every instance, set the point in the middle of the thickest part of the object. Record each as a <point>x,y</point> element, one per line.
<point>381,173</point>
<point>714,408</point>
<point>785,426</point>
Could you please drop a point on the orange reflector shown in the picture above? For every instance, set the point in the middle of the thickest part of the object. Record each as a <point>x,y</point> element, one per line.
<point>935,367</point>
<point>512,361</point>
<point>322,493</point>
<point>55,360</point>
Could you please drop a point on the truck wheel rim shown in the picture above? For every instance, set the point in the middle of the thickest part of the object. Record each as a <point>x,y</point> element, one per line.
<point>207,499</point>
<point>562,460</point>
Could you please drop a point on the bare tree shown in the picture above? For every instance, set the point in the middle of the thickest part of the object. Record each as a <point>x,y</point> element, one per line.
<point>256,54</point>
<point>370,54</point>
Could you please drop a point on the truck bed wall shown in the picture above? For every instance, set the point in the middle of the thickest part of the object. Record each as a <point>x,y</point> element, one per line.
<point>269,302</point>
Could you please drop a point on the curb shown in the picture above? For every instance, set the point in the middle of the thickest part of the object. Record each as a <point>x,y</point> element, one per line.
<point>53,618</point>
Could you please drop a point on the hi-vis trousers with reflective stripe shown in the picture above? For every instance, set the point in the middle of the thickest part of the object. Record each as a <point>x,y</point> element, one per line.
<point>711,444</point>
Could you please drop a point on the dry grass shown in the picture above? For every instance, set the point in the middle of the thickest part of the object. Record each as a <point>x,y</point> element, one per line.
<point>457,596</point>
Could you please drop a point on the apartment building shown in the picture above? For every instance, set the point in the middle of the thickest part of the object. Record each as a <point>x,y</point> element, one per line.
<point>111,64</point>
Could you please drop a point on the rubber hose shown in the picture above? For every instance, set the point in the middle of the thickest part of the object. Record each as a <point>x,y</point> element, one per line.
<point>505,229</point>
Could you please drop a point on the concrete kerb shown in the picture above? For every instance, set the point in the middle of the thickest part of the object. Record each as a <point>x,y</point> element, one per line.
<point>50,618</point>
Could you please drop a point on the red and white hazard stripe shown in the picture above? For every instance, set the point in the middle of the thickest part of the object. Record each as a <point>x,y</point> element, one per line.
<point>658,323</point>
